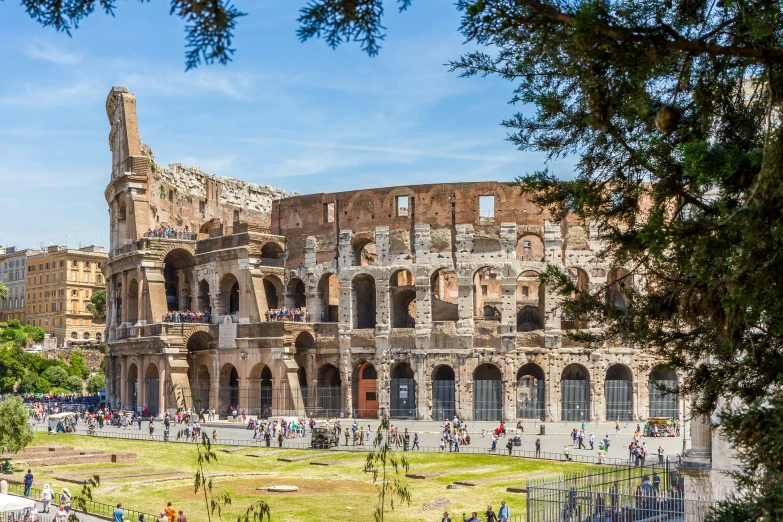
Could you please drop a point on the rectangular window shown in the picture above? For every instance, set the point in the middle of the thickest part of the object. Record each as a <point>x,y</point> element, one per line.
<point>486,209</point>
<point>171,196</point>
<point>75,264</point>
<point>525,291</point>
<point>47,266</point>
<point>526,246</point>
<point>86,264</point>
<point>370,396</point>
<point>236,216</point>
<point>484,290</point>
<point>328,212</point>
<point>202,206</point>
<point>62,264</point>
<point>402,205</point>
<point>73,293</point>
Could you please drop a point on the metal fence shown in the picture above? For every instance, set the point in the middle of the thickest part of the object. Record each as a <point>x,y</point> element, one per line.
<point>617,493</point>
<point>576,400</point>
<point>91,507</point>
<point>619,400</point>
<point>487,404</point>
<point>664,404</point>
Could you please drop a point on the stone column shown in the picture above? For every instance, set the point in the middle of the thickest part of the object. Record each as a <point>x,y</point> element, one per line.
<point>383,305</point>
<point>124,302</point>
<point>214,383</point>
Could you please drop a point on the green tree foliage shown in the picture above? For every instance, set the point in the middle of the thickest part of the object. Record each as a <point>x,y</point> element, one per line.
<point>96,382</point>
<point>20,335</point>
<point>28,383</point>
<point>75,383</point>
<point>57,376</point>
<point>97,306</point>
<point>3,291</point>
<point>15,430</point>
<point>385,465</point>
<point>78,366</point>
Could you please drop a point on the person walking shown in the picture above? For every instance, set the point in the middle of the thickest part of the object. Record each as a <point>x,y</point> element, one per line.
<point>538,448</point>
<point>592,441</point>
<point>510,446</point>
<point>565,452</point>
<point>617,427</point>
<point>416,442</point>
<point>65,500</point>
<point>181,517</point>
<point>504,513</point>
<point>119,514</point>
<point>660,455</point>
<point>47,495</point>
<point>473,517</point>
<point>62,514</point>
<point>171,513</point>
<point>490,514</point>
<point>28,482</point>
<point>446,517</point>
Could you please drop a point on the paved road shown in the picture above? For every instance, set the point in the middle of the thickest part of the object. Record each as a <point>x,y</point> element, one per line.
<point>557,435</point>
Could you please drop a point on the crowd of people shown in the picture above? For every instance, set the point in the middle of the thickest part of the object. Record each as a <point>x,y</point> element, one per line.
<point>287,314</point>
<point>171,233</point>
<point>188,317</point>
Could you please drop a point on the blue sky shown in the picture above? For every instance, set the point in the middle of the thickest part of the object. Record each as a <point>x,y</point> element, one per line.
<point>298,116</point>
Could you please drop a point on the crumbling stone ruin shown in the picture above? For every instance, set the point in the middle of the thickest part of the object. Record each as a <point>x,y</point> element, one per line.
<point>416,301</point>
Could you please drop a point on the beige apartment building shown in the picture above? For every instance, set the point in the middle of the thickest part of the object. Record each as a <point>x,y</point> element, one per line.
<point>13,266</point>
<point>60,282</point>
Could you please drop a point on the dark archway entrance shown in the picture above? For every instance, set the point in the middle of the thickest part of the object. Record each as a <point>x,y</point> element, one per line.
<point>531,392</point>
<point>575,393</point>
<point>403,392</point>
<point>618,389</point>
<point>663,403</point>
<point>152,378</point>
<point>487,393</point>
<point>443,393</point>
<point>133,388</point>
<point>329,391</point>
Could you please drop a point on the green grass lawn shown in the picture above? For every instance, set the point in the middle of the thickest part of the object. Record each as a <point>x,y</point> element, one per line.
<point>338,492</point>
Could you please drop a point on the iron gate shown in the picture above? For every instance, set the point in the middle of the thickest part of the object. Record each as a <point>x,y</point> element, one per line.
<point>619,400</point>
<point>153,396</point>
<point>134,394</point>
<point>403,398</point>
<point>530,399</point>
<point>576,400</point>
<point>664,404</point>
<point>487,405</point>
<point>443,405</point>
<point>199,395</point>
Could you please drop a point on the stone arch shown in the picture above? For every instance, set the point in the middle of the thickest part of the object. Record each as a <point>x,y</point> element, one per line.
<point>260,390</point>
<point>329,391</point>
<point>403,299</point>
<point>619,282</point>
<point>365,391</point>
<point>444,405</point>
<point>295,296</point>
<point>178,263</point>
<point>329,294</point>
<point>444,285</point>
<point>133,302</point>
<point>229,388</point>
<point>530,247</point>
<point>199,341</point>
<point>531,392</point>
<point>581,281</point>
<point>618,390</point>
<point>200,386</point>
<point>575,393</point>
<point>530,302</point>
<point>487,293</point>
<point>487,393</point>
<point>364,299</point>
<point>272,250</point>
<point>365,253</point>
<point>133,387</point>
<point>402,391</point>
<point>209,225</point>
<point>663,390</point>
<point>152,380</point>
<point>204,304</point>
<point>229,294</point>
<point>273,292</point>
<point>528,319</point>
<point>304,341</point>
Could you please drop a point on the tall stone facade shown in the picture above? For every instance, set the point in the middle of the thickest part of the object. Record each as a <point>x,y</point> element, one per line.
<point>418,301</point>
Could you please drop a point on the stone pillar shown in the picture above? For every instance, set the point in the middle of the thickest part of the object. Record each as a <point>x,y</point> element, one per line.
<point>345,255</point>
<point>508,312</point>
<point>383,305</point>
<point>124,302</point>
<point>465,325</point>
<point>214,383</point>
<point>163,387</point>
<point>346,305</point>
<point>315,306</point>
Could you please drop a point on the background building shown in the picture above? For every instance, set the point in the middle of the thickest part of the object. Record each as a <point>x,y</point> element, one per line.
<point>60,282</point>
<point>13,267</point>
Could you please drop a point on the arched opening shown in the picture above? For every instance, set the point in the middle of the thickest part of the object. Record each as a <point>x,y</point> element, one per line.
<point>200,388</point>
<point>618,389</point>
<point>296,294</point>
<point>329,391</point>
<point>663,392</point>
<point>271,251</point>
<point>133,388</point>
<point>273,290</point>
<point>152,378</point>
<point>620,283</point>
<point>403,296</point>
<point>329,293</point>
<point>443,393</point>
<point>530,248</point>
<point>531,392</point>
<point>200,341</point>
<point>74,335</point>
<point>444,284</point>
<point>530,302</point>
<point>122,228</point>
<point>98,337</point>
<point>133,302</point>
<point>582,282</point>
<point>487,393</point>
<point>403,392</point>
<point>177,267</point>
<point>487,294</point>
<point>575,393</point>
<point>204,304</point>
<point>363,295</point>
<point>229,388</point>
<point>365,391</point>
<point>260,390</point>
<point>229,294</point>
<point>301,375</point>
<point>365,253</point>
<point>86,336</point>
<point>304,341</point>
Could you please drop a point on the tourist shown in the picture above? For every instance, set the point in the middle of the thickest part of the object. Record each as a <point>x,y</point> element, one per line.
<point>606,443</point>
<point>415,441</point>
<point>62,514</point>
<point>446,517</point>
<point>510,446</point>
<point>214,435</point>
<point>65,500</point>
<point>181,517</point>
<point>617,427</point>
<point>442,445</point>
<point>47,495</point>
<point>473,517</point>
<point>163,517</point>
<point>504,514</point>
<point>538,448</point>
<point>565,452</point>
<point>592,441</point>
<point>601,455</point>
<point>660,455</point>
<point>28,482</point>
<point>491,516</point>
<point>494,443</point>
<point>119,514</point>
<point>171,513</point>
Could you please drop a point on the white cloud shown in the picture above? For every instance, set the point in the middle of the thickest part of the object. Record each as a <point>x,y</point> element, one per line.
<point>34,96</point>
<point>40,50</point>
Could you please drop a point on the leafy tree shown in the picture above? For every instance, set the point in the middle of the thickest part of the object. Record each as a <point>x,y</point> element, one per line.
<point>42,385</point>
<point>387,481</point>
<point>3,291</point>
<point>78,366</point>
<point>28,382</point>
<point>97,306</point>
<point>15,430</point>
<point>75,383</point>
<point>34,333</point>
<point>57,376</point>
<point>96,382</point>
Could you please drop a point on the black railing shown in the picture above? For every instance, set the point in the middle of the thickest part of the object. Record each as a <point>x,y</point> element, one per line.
<point>183,317</point>
<point>172,234</point>
<point>272,261</point>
